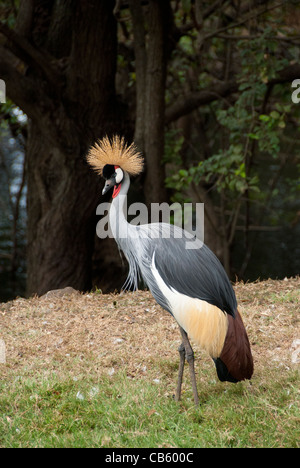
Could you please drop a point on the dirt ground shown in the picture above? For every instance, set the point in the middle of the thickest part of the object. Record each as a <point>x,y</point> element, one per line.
<point>111,332</point>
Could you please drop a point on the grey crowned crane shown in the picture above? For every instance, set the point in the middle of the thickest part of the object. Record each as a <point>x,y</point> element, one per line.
<point>190,284</point>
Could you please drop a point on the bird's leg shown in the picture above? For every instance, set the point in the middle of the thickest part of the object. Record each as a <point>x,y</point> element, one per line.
<point>181,351</point>
<point>189,354</point>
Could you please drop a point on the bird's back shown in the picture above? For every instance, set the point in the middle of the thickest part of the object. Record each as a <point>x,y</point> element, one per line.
<point>193,286</point>
<point>195,272</point>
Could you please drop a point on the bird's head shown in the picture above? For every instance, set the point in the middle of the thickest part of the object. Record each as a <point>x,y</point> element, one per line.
<point>113,176</point>
<point>111,158</point>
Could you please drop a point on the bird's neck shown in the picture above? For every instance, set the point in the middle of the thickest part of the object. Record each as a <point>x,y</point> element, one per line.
<point>118,209</point>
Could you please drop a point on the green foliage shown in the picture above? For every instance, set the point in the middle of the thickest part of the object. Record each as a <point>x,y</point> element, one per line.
<point>173,145</point>
<point>243,128</point>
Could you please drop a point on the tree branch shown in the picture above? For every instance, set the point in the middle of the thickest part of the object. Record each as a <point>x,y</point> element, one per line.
<point>35,103</point>
<point>41,61</point>
<point>20,88</point>
<point>193,100</point>
<point>287,74</point>
<point>251,37</point>
<point>244,20</point>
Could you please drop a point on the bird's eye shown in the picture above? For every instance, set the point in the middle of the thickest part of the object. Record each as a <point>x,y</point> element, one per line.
<point>119,175</point>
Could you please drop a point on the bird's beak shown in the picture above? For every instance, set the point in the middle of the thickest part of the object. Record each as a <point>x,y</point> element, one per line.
<point>109,184</point>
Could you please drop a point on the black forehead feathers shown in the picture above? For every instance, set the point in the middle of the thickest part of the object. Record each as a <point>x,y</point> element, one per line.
<point>108,171</point>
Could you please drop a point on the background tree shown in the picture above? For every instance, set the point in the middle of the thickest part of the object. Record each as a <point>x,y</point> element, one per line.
<point>59,64</point>
<point>204,89</point>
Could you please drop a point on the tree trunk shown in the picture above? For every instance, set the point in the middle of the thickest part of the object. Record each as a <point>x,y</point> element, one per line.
<point>137,15</point>
<point>60,223</point>
<point>62,190</point>
<point>155,101</point>
<point>151,67</point>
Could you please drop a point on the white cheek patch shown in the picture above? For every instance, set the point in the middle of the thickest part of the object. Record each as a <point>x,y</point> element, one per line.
<point>119,175</point>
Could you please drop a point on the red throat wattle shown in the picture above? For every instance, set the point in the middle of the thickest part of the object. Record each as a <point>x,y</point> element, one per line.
<point>117,187</point>
<point>116,191</point>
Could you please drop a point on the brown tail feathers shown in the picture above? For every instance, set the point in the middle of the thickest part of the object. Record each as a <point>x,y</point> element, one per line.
<point>235,362</point>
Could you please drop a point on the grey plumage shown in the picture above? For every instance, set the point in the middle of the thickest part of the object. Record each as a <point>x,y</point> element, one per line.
<point>198,273</point>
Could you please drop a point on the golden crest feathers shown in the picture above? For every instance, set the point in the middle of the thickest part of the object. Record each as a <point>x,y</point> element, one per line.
<point>116,152</point>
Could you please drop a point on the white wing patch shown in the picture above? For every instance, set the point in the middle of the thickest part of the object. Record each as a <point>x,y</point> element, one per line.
<point>206,324</point>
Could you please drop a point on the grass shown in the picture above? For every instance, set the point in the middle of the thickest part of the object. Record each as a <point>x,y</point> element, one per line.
<point>122,412</point>
<point>100,371</point>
